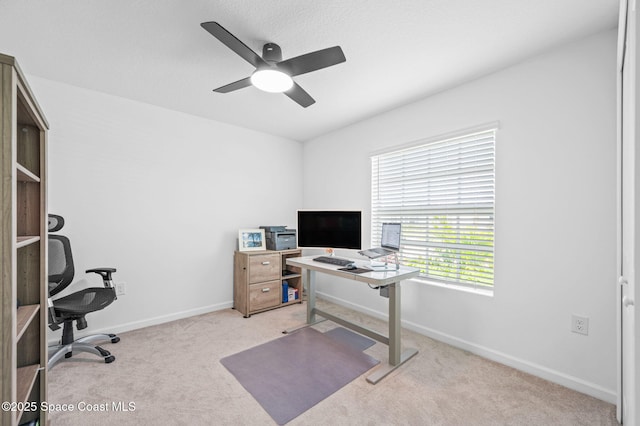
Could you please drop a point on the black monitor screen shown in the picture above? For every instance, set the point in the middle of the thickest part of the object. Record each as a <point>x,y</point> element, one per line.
<point>330,229</point>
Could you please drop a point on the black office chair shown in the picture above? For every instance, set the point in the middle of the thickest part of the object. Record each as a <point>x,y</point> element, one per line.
<point>75,306</point>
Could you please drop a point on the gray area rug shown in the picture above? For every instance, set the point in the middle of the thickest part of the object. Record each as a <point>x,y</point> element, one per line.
<point>289,375</point>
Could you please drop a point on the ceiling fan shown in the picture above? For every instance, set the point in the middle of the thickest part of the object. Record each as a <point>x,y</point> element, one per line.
<point>272,74</point>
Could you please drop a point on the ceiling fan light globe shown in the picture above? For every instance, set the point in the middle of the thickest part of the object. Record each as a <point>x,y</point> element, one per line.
<point>271,80</point>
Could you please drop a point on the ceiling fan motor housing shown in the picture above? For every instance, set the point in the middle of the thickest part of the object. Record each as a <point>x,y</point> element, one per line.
<point>271,53</point>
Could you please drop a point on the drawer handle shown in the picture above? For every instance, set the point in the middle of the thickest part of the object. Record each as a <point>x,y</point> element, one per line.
<point>266,263</point>
<point>266,290</point>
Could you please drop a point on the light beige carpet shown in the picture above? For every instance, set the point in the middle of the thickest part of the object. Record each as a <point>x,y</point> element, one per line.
<point>171,374</point>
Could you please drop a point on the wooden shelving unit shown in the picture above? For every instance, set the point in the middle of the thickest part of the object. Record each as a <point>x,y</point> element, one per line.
<point>258,278</point>
<point>23,243</point>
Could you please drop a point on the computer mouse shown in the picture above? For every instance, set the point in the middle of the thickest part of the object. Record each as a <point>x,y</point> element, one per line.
<point>352,266</point>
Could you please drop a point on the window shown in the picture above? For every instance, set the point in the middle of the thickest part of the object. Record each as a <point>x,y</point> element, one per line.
<point>442,191</point>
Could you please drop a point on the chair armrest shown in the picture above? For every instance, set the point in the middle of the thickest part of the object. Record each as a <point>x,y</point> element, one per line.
<point>105,273</point>
<point>53,319</point>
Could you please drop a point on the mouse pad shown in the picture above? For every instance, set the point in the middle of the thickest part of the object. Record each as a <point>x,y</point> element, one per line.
<point>355,271</point>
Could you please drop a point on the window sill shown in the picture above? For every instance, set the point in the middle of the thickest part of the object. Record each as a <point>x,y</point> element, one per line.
<point>472,290</point>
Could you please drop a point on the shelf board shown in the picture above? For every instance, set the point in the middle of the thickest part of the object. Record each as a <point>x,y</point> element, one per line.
<point>25,378</point>
<point>291,276</point>
<point>25,175</point>
<point>25,315</point>
<point>25,240</point>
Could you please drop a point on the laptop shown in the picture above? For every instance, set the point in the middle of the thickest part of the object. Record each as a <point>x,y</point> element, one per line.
<point>390,242</point>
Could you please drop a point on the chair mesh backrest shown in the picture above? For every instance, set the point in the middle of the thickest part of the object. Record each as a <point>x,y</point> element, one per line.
<point>61,269</point>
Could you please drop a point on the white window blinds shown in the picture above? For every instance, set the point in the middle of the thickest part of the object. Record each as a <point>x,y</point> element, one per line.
<point>443,194</point>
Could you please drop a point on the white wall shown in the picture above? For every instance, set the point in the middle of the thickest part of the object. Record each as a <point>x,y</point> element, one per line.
<point>555,213</point>
<point>160,195</point>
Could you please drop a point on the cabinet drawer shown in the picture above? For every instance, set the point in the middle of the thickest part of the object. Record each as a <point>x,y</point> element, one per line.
<point>264,267</point>
<point>264,295</point>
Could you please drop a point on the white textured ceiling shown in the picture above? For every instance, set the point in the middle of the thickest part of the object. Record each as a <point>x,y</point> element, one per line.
<point>399,51</point>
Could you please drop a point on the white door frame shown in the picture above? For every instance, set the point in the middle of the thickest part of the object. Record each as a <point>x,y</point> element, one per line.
<point>628,209</point>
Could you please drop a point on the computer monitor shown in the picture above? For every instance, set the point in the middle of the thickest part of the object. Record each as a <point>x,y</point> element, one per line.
<point>330,229</point>
<point>391,236</point>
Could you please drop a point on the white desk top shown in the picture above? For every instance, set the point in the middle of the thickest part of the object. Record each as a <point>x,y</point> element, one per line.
<point>381,277</point>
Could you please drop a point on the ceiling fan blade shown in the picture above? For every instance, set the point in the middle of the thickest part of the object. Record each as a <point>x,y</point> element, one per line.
<point>233,43</point>
<point>240,84</point>
<point>312,61</point>
<point>299,95</point>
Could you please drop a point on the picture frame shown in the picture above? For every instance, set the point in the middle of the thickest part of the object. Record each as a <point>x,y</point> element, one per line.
<point>251,240</point>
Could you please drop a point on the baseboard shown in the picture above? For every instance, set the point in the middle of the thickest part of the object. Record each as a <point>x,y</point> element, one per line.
<point>135,325</point>
<point>551,375</point>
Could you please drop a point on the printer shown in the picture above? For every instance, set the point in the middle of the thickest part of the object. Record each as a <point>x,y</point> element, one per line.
<point>280,238</point>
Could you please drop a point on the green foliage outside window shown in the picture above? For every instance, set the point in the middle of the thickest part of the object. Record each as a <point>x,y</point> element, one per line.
<point>471,261</point>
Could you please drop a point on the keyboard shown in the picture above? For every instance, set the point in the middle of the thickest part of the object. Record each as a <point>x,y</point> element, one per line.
<point>333,260</point>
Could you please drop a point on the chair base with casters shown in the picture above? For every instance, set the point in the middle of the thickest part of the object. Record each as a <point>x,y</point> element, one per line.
<point>65,351</point>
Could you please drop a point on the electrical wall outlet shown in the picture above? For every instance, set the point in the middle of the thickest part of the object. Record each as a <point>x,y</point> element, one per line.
<point>580,324</point>
<point>121,289</point>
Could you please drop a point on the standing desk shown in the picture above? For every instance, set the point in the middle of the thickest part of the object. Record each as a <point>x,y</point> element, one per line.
<point>390,278</point>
